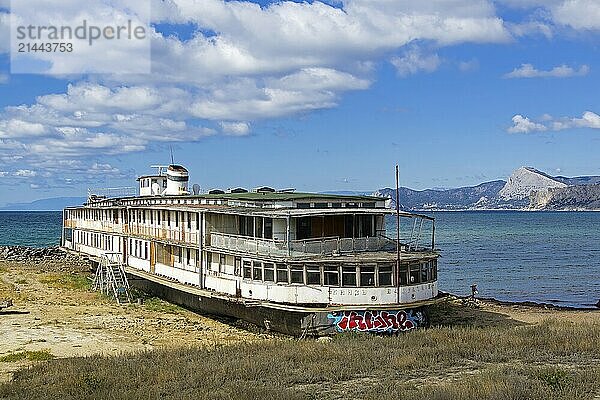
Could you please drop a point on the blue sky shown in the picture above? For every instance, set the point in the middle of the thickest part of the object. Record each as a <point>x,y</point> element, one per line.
<point>319,96</point>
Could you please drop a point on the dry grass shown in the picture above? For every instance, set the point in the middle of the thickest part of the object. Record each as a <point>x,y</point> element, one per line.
<point>67,281</point>
<point>552,360</point>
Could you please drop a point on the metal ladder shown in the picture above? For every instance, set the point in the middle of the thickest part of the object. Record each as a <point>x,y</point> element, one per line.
<point>110,278</point>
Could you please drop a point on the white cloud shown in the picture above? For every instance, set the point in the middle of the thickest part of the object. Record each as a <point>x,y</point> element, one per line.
<point>579,14</point>
<point>561,71</point>
<point>235,128</point>
<point>524,125</point>
<point>414,61</point>
<point>547,122</point>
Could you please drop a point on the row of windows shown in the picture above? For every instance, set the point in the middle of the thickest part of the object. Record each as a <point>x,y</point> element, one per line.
<point>176,218</point>
<point>96,240</point>
<point>139,249</point>
<point>345,275</point>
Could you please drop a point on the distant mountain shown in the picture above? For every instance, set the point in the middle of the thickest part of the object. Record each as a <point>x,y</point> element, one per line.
<point>525,180</point>
<point>580,180</point>
<point>53,204</point>
<point>579,197</point>
<point>518,192</point>
<point>450,199</point>
<point>348,192</point>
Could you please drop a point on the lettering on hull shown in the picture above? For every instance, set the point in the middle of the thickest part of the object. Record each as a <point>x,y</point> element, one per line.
<point>376,321</point>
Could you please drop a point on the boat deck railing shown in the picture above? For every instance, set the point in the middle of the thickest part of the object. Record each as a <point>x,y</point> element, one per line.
<point>318,246</point>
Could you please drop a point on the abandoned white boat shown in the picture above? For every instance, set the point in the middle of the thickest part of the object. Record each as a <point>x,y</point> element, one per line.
<point>297,263</point>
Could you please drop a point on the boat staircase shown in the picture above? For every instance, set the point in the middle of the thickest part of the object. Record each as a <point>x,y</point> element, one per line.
<point>111,279</point>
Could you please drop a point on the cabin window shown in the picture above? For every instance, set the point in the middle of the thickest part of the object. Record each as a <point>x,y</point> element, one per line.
<point>282,273</point>
<point>303,228</point>
<point>303,205</point>
<point>258,227</point>
<point>168,218</point>
<point>269,272</point>
<point>434,270</point>
<point>176,219</point>
<point>247,269</point>
<point>222,263</point>
<point>145,250</point>
<point>198,222</point>
<point>297,274</point>
<point>188,256</point>
<point>313,275</point>
<point>367,275</point>
<point>385,274</point>
<point>331,275</point>
<point>158,215</point>
<point>425,272</point>
<point>415,271</point>
<point>237,266</point>
<point>189,220</point>
<point>321,205</point>
<point>268,228</point>
<point>257,273</point>
<point>349,275</point>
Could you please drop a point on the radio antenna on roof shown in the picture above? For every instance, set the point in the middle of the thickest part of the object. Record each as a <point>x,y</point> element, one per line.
<point>172,159</point>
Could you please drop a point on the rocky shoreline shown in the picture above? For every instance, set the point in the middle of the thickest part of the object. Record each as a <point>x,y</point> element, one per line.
<point>53,255</point>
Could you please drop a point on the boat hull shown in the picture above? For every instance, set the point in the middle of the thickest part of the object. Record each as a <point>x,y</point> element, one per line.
<point>293,321</point>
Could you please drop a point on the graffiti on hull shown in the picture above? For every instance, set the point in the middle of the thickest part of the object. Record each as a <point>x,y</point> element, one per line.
<point>375,321</point>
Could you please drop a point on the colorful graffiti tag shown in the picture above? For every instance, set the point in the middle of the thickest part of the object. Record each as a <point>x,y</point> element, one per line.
<point>375,321</point>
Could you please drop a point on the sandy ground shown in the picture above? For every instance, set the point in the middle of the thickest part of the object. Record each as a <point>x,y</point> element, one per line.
<point>58,316</point>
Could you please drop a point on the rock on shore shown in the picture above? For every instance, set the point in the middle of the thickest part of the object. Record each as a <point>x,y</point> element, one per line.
<point>45,255</point>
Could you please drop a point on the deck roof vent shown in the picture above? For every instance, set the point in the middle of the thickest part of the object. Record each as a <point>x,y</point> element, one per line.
<point>238,190</point>
<point>216,191</point>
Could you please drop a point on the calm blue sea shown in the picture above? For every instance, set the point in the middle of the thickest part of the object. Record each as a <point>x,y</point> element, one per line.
<point>551,257</point>
<point>30,228</point>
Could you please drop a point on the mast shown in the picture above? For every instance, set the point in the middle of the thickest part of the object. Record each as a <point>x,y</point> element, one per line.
<point>398,230</point>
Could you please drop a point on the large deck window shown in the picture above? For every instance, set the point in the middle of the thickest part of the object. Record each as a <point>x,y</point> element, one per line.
<point>269,272</point>
<point>367,275</point>
<point>385,274</point>
<point>313,275</point>
<point>282,273</point>
<point>331,275</point>
<point>296,274</point>
<point>248,269</point>
<point>257,273</point>
<point>349,275</point>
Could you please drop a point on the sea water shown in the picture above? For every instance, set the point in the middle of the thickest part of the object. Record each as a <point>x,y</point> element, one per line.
<point>551,257</point>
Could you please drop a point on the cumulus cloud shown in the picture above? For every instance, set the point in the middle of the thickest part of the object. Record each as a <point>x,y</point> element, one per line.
<point>524,125</point>
<point>577,14</point>
<point>547,122</point>
<point>414,61</point>
<point>561,71</point>
<point>235,128</point>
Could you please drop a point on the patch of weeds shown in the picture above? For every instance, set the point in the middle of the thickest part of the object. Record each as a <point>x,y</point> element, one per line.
<point>158,305</point>
<point>39,355</point>
<point>67,281</point>
<point>556,378</point>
